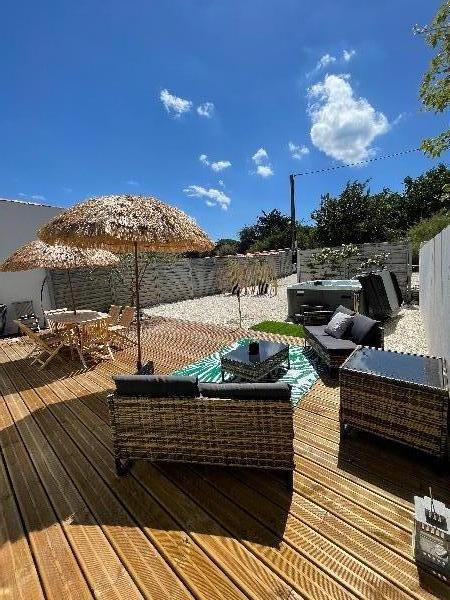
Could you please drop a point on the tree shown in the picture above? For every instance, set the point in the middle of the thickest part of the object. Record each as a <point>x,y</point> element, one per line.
<point>353,217</point>
<point>435,87</point>
<point>357,216</point>
<point>271,231</point>
<point>224,247</point>
<point>422,197</point>
<point>426,230</point>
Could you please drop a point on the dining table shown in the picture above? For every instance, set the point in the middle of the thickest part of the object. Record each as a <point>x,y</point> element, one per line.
<point>79,321</point>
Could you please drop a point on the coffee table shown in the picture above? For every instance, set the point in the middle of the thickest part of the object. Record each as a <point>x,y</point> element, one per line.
<point>254,367</point>
<point>398,396</point>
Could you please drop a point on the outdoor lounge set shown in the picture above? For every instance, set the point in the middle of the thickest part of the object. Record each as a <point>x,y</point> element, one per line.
<point>178,419</point>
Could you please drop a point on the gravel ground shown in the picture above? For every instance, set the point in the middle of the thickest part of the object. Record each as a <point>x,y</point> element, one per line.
<point>404,333</point>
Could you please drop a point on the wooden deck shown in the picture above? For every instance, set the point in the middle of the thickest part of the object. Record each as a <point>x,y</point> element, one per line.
<point>70,528</point>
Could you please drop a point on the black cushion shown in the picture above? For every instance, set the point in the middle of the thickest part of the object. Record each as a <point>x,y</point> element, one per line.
<point>343,309</point>
<point>156,386</point>
<point>147,369</point>
<point>362,329</point>
<point>252,391</point>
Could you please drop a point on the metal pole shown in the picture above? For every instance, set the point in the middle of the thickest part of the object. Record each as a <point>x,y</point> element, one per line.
<point>138,307</point>
<point>293,221</point>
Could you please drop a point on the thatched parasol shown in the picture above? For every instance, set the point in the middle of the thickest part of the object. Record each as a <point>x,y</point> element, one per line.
<point>39,255</point>
<point>127,224</point>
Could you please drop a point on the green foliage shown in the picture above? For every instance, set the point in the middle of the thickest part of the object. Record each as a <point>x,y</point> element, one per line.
<point>358,216</point>
<point>280,327</point>
<point>426,230</point>
<point>355,216</point>
<point>224,247</point>
<point>435,87</point>
<point>271,231</point>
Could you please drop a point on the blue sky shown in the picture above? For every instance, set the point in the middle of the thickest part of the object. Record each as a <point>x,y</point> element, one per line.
<point>197,101</point>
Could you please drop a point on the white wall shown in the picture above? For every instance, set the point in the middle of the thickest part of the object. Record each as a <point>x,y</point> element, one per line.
<point>434,291</point>
<point>19,222</point>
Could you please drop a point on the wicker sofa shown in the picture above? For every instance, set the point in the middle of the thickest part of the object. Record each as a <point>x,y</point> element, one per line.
<point>332,351</point>
<point>176,419</point>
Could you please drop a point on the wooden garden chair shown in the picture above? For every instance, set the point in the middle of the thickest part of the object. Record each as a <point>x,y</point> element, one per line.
<point>114,314</point>
<point>96,338</point>
<point>44,345</point>
<point>120,330</point>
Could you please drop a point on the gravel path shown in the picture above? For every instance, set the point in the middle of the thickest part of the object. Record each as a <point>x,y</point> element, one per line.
<point>404,333</point>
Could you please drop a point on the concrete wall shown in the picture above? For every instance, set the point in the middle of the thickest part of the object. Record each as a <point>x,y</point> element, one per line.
<point>18,224</point>
<point>434,273</point>
<point>400,262</point>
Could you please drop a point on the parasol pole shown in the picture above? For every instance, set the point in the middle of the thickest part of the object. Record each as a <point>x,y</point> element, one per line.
<point>138,307</point>
<point>71,292</point>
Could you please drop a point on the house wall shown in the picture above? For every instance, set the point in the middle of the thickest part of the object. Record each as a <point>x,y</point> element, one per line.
<point>18,224</point>
<point>434,293</point>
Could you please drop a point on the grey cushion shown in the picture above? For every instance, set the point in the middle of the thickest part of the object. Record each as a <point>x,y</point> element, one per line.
<point>332,344</point>
<point>251,391</point>
<point>315,330</point>
<point>343,309</point>
<point>328,342</point>
<point>156,386</point>
<point>362,329</point>
<point>338,325</point>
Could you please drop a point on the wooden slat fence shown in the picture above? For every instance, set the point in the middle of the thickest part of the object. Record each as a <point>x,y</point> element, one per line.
<point>399,261</point>
<point>434,294</point>
<point>164,281</point>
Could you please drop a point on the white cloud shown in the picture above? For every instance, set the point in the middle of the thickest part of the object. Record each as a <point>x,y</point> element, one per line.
<point>213,197</point>
<point>132,182</point>
<point>219,165</point>
<point>325,61</point>
<point>347,55</point>
<point>263,166</point>
<point>38,197</point>
<point>206,109</point>
<point>264,170</point>
<point>260,156</point>
<point>67,190</point>
<point>298,151</point>
<point>221,183</point>
<point>173,104</point>
<point>22,195</point>
<point>343,126</point>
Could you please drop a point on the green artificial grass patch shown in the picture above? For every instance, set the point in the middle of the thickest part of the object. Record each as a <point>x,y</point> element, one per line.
<point>280,327</point>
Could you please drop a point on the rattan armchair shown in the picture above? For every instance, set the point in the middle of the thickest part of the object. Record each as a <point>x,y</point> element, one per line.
<point>173,419</point>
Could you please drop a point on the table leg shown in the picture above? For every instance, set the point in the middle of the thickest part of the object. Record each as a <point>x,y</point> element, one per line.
<point>79,347</point>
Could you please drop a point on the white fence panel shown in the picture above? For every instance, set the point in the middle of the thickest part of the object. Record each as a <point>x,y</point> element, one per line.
<point>434,272</point>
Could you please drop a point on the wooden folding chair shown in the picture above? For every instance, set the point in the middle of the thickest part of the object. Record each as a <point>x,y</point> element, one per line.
<point>44,344</point>
<point>114,314</point>
<point>54,327</point>
<point>119,331</point>
<point>96,337</point>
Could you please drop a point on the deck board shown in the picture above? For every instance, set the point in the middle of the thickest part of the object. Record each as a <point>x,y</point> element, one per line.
<point>168,531</point>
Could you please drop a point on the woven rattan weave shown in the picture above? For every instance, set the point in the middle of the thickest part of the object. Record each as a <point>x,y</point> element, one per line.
<point>214,431</point>
<point>405,411</point>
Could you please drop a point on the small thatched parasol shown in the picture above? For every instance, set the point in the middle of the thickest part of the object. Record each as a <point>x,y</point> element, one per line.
<point>127,224</point>
<point>39,255</point>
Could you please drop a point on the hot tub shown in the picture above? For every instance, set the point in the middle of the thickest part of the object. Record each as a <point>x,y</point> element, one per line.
<point>329,293</point>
